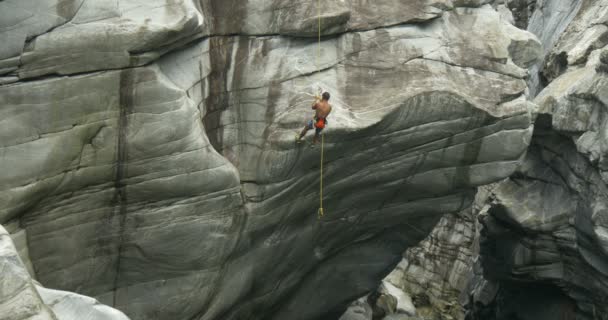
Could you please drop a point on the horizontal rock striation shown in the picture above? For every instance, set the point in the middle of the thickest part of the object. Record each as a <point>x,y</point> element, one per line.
<point>151,156</point>
<point>543,245</point>
<point>22,298</point>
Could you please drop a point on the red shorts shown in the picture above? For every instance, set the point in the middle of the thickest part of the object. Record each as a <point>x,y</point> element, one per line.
<point>317,123</point>
<point>320,123</point>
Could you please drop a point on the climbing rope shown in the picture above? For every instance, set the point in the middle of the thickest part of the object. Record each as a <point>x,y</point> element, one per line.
<point>321,180</point>
<point>320,211</point>
<point>319,35</point>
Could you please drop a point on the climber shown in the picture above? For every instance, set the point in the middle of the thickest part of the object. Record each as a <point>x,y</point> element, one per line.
<point>322,109</point>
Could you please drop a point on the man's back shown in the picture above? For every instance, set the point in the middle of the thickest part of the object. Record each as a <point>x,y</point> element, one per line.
<point>323,108</point>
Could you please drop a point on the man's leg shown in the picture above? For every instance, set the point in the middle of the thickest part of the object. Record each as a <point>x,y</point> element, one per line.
<point>317,135</point>
<point>303,133</point>
<point>308,126</point>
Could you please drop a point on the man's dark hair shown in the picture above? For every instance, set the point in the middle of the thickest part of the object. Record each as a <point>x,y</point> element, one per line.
<point>326,96</point>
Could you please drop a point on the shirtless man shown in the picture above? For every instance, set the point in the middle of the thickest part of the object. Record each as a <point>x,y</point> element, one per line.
<point>322,109</point>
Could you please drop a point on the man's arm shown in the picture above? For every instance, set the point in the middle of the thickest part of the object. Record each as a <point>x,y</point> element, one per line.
<point>315,103</point>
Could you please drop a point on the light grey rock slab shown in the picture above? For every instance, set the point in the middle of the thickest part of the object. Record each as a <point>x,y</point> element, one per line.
<point>404,301</point>
<point>436,271</point>
<point>301,18</point>
<point>103,35</point>
<point>113,35</point>
<point>18,296</point>
<point>358,310</point>
<point>76,153</point>
<point>71,306</point>
<point>174,190</point>
<point>549,20</point>
<point>24,20</point>
<point>545,225</point>
<point>23,298</point>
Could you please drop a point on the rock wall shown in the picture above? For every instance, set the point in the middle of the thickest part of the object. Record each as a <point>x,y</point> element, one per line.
<point>437,271</point>
<point>543,244</point>
<point>542,252</point>
<point>434,279</point>
<point>22,298</point>
<point>150,153</point>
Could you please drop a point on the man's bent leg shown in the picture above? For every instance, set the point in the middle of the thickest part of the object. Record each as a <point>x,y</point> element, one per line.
<point>308,126</point>
<point>303,133</point>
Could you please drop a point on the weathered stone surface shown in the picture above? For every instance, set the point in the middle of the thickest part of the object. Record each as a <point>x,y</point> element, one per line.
<point>436,271</point>
<point>22,298</point>
<point>544,225</point>
<point>301,18</point>
<point>174,190</point>
<point>522,11</point>
<point>549,20</point>
<point>543,246</point>
<point>39,37</point>
<point>18,296</point>
<point>358,310</point>
<point>71,306</point>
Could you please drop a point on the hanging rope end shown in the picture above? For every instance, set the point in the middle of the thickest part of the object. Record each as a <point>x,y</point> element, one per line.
<point>321,213</point>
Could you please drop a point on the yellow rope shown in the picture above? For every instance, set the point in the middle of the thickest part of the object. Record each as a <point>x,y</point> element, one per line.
<point>321,180</point>
<point>319,36</point>
<point>320,211</point>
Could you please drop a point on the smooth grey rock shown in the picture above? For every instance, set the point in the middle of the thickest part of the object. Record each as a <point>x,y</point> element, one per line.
<point>118,34</point>
<point>525,239</point>
<point>174,190</point>
<point>544,237</point>
<point>71,306</point>
<point>110,34</point>
<point>549,20</point>
<point>22,298</point>
<point>442,271</point>
<point>23,20</point>
<point>113,35</point>
<point>404,301</point>
<point>436,271</point>
<point>19,237</point>
<point>18,296</point>
<point>358,310</point>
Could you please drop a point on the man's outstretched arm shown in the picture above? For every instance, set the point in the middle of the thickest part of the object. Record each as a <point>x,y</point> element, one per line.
<point>315,103</point>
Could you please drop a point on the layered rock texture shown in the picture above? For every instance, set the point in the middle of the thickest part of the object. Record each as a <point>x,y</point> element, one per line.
<point>428,282</point>
<point>542,249</point>
<point>434,279</point>
<point>436,272</point>
<point>543,244</point>
<point>22,298</point>
<point>148,146</point>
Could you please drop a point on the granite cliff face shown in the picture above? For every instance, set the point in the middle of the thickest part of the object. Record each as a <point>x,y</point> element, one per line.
<point>434,279</point>
<point>541,253</point>
<point>23,298</point>
<point>544,237</point>
<point>148,156</point>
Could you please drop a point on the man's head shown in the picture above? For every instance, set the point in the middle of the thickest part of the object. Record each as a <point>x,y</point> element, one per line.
<point>326,96</point>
